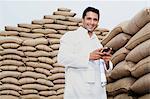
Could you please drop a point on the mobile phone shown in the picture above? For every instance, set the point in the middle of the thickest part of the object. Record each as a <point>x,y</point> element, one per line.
<point>106,49</point>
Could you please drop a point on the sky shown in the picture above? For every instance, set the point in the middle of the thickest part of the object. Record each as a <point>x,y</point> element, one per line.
<point>112,12</point>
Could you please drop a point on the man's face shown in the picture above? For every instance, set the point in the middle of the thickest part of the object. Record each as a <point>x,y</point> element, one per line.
<point>90,21</point>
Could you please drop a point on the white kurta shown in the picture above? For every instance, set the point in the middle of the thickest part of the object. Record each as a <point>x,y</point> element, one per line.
<point>82,77</point>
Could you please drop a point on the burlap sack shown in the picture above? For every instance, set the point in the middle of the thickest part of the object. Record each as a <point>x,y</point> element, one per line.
<point>64,9</point>
<point>43,21</point>
<point>8,97</point>
<point>115,31</point>
<point>10,45</point>
<point>64,13</point>
<point>146,96</point>
<point>120,86</point>
<point>31,35</point>
<point>123,96</point>
<point>55,26</point>
<point>68,23</point>
<point>10,39</point>
<point>73,19</point>
<point>118,41</point>
<point>10,80</point>
<point>30,26</point>
<point>141,68</point>
<point>19,29</point>
<point>139,37</point>
<point>59,17</point>
<point>43,48</point>
<point>138,21</point>
<point>9,92</point>
<point>119,55</point>
<point>142,85</point>
<point>139,52</point>
<point>121,70</point>
<point>44,31</point>
<point>9,33</point>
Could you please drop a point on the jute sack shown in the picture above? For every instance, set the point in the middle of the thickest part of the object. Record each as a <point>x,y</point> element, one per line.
<point>14,74</point>
<point>9,92</point>
<point>55,46</point>
<point>25,68</point>
<point>8,68</point>
<point>43,21</point>
<point>26,48</point>
<point>120,86</point>
<point>10,39</point>
<point>57,65</point>
<point>54,53</point>
<point>61,17</point>
<point>73,19</point>
<point>38,87</point>
<point>68,23</point>
<point>10,45</point>
<point>71,28</point>
<point>123,96</point>
<point>54,41</point>
<point>55,26</point>
<point>54,59</point>
<point>62,31</point>
<point>58,86</point>
<point>44,31</point>
<point>43,71</point>
<point>141,86</point>
<point>26,80</point>
<point>139,52</point>
<point>47,93</point>
<point>141,36</point>
<point>64,9</point>
<point>34,42</point>
<point>28,91</point>
<point>27,59</point>
<point>60,91</point>
<point>59,81</point>
<point>45,82</point>
<point>56,76</point>
<point>43,48</point>
<point>118,41</point>
<point>31,35</point>
<point>64,13</point>
<point>10,80</point>
<point>31,96</point>
<point>12,62</point>
<point>57,70</point>
<point>10,87</point>
<point>9,33</point>
<point>45,60</point>
<point>19,29</point>
<point>119,55</point>
<point>38,65</point>
<point>33,75</point>
<point>146,96</point>
<point>11,57</point>
<point>37,53</point>
<point>54,36</point>
<point>121,70</point>
<point>115,31</point>
<point>138,21</point>
<point>30,26</point>
<point>141,68</point>
<point>8,97</point>
<point>12,51</point>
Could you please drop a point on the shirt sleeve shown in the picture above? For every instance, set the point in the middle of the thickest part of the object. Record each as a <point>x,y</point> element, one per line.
<point>67,56</point>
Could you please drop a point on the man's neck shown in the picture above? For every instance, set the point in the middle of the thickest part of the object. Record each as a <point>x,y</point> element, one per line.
<point>90,33</point>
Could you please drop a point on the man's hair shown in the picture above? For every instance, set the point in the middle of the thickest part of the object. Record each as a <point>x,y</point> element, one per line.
<point>88,9</point>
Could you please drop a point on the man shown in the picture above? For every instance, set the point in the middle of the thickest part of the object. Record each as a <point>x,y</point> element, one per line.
<point>85,64</point>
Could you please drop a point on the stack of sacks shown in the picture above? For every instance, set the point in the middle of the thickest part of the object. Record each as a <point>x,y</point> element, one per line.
<point>28,57</point>
<point>131,59</point>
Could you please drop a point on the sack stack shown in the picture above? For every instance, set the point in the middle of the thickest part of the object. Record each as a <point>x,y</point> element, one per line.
<point>28,56</point>
<point>130,41</point>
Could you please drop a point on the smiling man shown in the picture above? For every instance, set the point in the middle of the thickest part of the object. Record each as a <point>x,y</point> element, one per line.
<point>85,63</point>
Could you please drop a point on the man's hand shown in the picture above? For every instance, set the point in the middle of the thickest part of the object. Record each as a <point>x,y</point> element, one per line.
<point>97,54</point>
